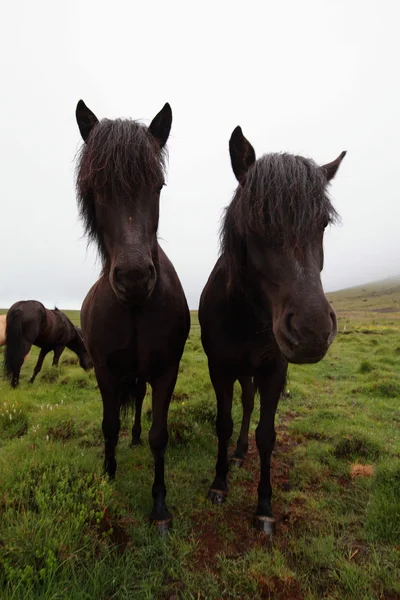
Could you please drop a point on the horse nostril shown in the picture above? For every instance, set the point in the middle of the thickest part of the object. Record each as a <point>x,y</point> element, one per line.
<point>333,330</point>
<point>288,322</point>
<point>290,328</point>
<point>118,275</point>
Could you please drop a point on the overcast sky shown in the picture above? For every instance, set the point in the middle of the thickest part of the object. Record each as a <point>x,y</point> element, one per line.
<point>314,77</point>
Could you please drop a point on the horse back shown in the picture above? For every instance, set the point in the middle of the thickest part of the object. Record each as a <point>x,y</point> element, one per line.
<point>32,314</point>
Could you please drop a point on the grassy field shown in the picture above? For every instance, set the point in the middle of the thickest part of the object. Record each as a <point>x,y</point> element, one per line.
<point>67,533</point>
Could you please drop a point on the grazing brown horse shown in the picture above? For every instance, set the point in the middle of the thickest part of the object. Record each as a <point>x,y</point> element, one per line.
<point>3,339</point>
<point>135,319</point>
<point>263,305</point>
<point>30,323</point>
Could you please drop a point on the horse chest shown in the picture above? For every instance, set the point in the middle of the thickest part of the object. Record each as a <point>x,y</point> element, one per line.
<point>137,356</point>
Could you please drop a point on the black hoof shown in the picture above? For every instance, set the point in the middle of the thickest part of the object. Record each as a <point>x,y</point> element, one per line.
<point>264,524</point>
<point>236,462</point>
<point>217,496</point>
<point>163,527</point>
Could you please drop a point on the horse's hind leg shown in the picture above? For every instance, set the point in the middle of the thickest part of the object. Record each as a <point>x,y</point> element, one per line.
<point>58,350</point>
<point>140,392</point>
<point>242,445</point>
<point>39,364</point>
<point>223,386</point>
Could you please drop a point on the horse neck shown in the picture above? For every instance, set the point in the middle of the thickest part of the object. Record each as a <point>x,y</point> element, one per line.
<point>76,345</point>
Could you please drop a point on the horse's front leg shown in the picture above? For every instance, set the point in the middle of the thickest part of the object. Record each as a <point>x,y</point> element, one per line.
<point>58,350</point>
<point>242,445</point>
<point>111,397</point>
<point>223,386</point>
<point>271,386</point>
<point>158,439</point>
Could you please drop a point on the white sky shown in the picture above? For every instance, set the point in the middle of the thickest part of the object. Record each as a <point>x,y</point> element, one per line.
<point>314,77</point>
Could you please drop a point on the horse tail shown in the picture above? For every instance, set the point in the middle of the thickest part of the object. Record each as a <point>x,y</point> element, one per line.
<point>132,398</point>
<point>14,354</point>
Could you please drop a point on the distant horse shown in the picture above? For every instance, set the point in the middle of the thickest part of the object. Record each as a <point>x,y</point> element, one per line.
<point>263,305</point>
<point>30,323</point>
<point>3,339</point>
<point>135,319</point>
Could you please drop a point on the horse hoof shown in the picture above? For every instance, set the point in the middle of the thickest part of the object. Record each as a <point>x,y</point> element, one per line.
<point>217,496</point>
<point>163,527</point>
<point>236,462</point>
<point>264,524</point>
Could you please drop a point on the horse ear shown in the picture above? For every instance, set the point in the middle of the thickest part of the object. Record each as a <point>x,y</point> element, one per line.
<point>242,153</point>
<point>161,125</point>
<point>331,168</point>
<point>86,119</point>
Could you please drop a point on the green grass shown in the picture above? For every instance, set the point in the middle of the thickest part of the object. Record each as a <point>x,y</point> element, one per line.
<point>66,532</point>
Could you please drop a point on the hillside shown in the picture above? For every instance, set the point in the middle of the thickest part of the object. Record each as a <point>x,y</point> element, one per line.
<point>379,296</point>
<point>373,307</point>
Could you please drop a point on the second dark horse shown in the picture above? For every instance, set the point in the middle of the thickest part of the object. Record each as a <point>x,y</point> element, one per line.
<point>135,319</point>
<point>263,305</point>
<point>30,323</point>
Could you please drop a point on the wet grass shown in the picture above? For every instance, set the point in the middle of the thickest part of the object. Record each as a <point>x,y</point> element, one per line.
<point>66,532</point>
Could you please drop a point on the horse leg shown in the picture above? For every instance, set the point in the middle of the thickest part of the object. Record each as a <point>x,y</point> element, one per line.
<point>15,378</point>
<point>158,440</point>
<point>58,350</point>
<point>111,397</point>
<point>271,386</point>
<point>140,392</point>
<point>223,387</point>
<point>39,364</point>
<point>242,445</point>
<point>17,369</point>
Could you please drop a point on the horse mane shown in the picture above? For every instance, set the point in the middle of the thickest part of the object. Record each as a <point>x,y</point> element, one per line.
<point>120,157</point>
<point>282,200</point>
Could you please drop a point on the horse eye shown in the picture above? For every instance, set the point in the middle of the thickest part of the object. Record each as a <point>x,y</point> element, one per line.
<point>161,187</point>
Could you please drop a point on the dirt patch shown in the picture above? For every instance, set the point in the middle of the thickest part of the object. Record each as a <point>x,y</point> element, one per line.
<point>81,383</point>
<point>284,589</point>
<point>63,431</point>
<point>387,309</point>
<point>359,470</point>
<point>116,530</point>
<point>211,542</point>
<point>70,361</point>
<point>179,397</point>
<point>349,447</point>
<point>231,532</point>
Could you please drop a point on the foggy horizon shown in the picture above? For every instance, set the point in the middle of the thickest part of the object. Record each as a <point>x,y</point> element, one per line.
<point>312,79</point>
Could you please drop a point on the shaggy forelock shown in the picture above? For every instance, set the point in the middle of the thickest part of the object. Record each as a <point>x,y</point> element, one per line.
<point>283,199</point>
<point>119,158</point>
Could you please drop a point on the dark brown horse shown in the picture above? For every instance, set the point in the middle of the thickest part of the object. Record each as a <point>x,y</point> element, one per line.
<point>263,305</point>
<point>30,323</point>
<point>135,319</point>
